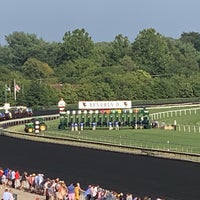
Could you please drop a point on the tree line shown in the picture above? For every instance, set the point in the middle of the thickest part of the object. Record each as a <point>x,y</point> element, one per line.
<point>151,67</point>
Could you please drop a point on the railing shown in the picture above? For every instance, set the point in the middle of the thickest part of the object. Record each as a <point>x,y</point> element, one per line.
<point>179,113</point>
<point>20,121</point>
<point>174,113</point>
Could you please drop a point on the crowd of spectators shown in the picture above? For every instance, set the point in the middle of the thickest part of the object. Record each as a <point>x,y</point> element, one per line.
<point>56,189</point>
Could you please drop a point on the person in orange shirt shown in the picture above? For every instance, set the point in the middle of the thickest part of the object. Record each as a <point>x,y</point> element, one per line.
<point>77,191</point>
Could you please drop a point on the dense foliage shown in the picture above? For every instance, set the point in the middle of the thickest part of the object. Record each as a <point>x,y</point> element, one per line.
<point>150,67</point>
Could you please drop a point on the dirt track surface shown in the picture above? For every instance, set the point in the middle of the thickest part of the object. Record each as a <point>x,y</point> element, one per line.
<point>140,175</point>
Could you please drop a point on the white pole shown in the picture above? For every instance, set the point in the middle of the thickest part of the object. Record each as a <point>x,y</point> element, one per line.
<point>15,95</point>
<point>189,128</point>
<point>5,93</point>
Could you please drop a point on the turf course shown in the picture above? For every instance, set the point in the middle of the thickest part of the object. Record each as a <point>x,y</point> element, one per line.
<point>181,140</point>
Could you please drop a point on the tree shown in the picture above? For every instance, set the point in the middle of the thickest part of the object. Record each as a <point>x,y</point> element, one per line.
<point>185,58</point>
<point>164,88</point>
<point>22,46</point>
<point>85,92</point>
<point>5,56</point>
<point>120,48</point>
<point>35,69</point>
<point>181,86</point>
<point>68,92</point>
<point>150,52</point>
<point>195,83</point>
<point>191,37</point>
<point>73,71</point>
<point>40,95</point>
<point>128,64</point>
<point>76,44</point>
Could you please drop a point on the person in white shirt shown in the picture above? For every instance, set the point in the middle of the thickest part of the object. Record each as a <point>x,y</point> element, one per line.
<point>13,178</point>
<point>7,195</point>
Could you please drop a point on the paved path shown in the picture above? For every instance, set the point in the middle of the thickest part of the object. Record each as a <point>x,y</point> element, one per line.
<point>23,195</point>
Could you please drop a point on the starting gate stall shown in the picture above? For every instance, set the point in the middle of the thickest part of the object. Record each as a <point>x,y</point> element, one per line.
<point>105,118</point>
<point>100,118</point>
<point>63,121</point>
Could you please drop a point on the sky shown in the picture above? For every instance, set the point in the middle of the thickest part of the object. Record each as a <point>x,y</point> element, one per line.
<point>102,19</point>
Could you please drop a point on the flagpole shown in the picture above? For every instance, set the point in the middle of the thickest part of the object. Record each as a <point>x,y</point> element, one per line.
<point>5,93</point>
<point>15,96</point>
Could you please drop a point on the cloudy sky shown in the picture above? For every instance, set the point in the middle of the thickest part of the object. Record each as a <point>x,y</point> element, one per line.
<point>102,19</point>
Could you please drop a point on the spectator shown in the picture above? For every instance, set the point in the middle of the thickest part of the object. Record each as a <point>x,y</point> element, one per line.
<point>13,178</point>
<point>77,191</point>
<point>88,193</point>
<point>17,179</point>
<point>6,171</point>
<point>7,195</point>
<point>4,180</point>
<point>129,196</point>
<point>50,193</point>
<point>24,181</point>
<point>71,193</point>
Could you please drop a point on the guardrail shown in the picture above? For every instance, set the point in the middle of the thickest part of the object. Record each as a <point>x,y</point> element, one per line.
<point>173,113</point>
<point>20,121</point>
<point>179,113</point>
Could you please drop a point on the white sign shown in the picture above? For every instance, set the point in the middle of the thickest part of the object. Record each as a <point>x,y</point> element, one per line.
<point>104,104</point>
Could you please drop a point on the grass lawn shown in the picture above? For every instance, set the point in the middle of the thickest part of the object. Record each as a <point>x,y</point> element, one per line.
<point>179,140</point>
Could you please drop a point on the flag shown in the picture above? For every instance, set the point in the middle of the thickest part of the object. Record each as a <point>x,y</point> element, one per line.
<point>7,89</point>
<point>17,88</point>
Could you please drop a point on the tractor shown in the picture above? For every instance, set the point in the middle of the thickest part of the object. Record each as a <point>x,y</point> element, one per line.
<point>30,127</point>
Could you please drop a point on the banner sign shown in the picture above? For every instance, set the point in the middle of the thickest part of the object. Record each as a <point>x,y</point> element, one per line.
<point>87,105</point>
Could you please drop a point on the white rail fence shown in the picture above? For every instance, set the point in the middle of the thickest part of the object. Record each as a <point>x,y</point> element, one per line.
<point>179,113</point>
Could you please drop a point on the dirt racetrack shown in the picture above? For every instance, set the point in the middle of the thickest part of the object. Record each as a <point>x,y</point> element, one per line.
<point>140,175</point>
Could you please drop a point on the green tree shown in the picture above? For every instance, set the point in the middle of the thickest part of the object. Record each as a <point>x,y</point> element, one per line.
<point>184,58</point>
<point>68,92</point>
<point>194,80</point>
<point>191,37</point>
<point>40,95</point>
<point>120,48</point>
<point>102,51</point>
<point>85,92</point>
<point>73,71</point>
<point>5,56</point>
<point>22,46</point>
<point>102,91</point>
<point>150,52</point>
<point>76,44</point>
<point>182,87</point>
<point>128,64</point>
<point>164,88</point>
<point>34,68</point>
